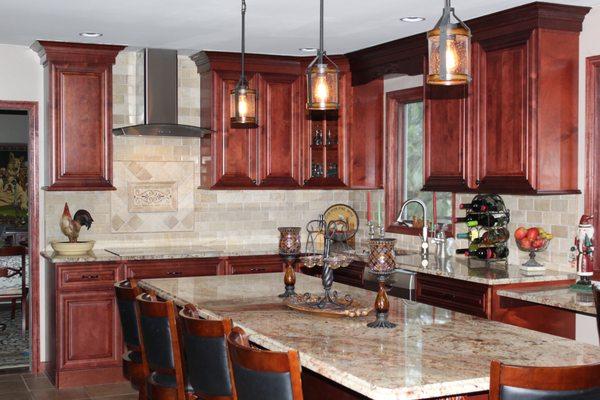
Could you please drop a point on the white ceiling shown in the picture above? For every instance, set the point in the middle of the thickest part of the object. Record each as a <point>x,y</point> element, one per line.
<point>273,26</point>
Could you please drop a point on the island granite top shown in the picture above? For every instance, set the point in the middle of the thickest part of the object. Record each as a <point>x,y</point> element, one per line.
<point>432,352</point>
<point>561,297</point>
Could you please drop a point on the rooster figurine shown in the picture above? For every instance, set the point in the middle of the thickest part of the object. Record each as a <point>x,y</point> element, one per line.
<point>70,226</point>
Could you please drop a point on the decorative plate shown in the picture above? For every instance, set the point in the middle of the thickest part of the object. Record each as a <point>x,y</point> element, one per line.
<point>343,308</point>
<point>345,213</point>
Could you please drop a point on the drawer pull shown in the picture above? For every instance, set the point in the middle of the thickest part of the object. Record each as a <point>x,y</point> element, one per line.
<point>90,277</point>
<point>258,269</point>
<point>174,273</point>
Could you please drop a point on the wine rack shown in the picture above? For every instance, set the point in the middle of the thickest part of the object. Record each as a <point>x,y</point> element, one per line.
<point>487,220</point>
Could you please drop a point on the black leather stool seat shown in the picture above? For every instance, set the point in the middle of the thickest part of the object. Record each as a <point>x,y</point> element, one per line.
<point>514,393</point>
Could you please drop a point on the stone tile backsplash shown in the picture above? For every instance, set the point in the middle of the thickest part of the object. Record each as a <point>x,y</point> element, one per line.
<point>558,215</point>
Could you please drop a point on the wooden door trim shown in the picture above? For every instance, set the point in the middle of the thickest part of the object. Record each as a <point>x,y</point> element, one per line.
<point>592,139</point>
<point>31,107</point>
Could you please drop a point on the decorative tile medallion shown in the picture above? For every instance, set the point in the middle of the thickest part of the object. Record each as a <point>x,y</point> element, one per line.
<point>152,196</point>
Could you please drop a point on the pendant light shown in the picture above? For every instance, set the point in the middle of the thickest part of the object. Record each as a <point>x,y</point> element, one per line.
<point>243,99</point>
<point>449,45</point>
<point>322,78</point>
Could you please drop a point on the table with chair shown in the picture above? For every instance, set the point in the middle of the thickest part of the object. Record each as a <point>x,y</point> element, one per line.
<point>193,351</point>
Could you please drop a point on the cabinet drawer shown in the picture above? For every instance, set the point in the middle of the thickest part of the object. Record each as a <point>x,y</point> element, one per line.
<point>87,276</point>
<point>466,297</point>
<point>172,268</point>
<point>255,265</point>
<point>351,275</point>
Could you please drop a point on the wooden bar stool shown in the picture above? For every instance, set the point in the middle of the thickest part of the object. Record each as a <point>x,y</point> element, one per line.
<point>511,382</point>
<point>596,290</point>
<point>206,360</point>
<point>262,374</point>
<point>161,354</point>
<point>133,369</point>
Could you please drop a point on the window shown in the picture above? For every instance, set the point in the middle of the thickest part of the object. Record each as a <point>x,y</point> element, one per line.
<point>404,175</point>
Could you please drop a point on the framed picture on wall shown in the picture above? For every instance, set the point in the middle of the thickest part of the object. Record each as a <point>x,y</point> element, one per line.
<point>13,184</point>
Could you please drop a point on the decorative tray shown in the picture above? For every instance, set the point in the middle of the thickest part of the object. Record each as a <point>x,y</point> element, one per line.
<point>343,307</point>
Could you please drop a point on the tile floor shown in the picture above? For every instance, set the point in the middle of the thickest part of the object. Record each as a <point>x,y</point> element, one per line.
<point>27,386</point>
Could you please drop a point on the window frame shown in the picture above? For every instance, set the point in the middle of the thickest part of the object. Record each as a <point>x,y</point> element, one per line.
<point>394,155</point>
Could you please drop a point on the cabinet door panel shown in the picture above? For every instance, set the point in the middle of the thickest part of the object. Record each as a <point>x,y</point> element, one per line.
<point>236,149</point>
<point>280,121</point>
<point>446,138</point>
<point>82,127</point>
<point>89,331</point>
<point>503,146</point>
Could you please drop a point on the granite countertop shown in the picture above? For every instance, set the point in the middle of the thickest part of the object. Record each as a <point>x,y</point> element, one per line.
<point>561,297</point>
<point>461,268</point>
<point>165,252</point>
<point>92,256</point>
<point>432,353</point>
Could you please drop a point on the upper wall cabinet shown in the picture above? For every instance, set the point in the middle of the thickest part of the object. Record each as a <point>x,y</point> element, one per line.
<point>514,129</point>
<point>291,148</point>
<point>78,86</point>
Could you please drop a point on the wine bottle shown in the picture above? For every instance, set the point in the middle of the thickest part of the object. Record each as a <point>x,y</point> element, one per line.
<point>488,253</point>
<point>485,220</point>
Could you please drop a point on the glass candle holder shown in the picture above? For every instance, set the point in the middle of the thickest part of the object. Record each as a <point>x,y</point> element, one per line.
<point>381,257</point>
<point>290,244</point>
<point>382,262</point>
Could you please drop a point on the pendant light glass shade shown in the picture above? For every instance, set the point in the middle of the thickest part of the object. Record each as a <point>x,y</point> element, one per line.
<point>322,86</point>
<point>242,100</point>
<point>322,78</point>
<point>449,44</point>
<point>243,106</point>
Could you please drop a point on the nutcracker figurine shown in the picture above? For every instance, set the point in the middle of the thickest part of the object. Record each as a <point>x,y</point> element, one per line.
<point>583,253</point>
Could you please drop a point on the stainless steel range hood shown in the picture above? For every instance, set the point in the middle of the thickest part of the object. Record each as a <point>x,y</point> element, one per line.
<point>160,99</point>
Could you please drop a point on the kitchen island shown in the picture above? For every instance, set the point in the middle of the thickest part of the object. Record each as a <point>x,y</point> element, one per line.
<point>433,353</point>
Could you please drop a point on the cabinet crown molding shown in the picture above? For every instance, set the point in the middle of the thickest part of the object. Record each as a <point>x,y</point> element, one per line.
<point>405,55</point>
<point>76,53</point>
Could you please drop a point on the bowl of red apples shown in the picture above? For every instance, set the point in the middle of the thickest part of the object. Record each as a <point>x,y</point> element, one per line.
<point>532,240</point>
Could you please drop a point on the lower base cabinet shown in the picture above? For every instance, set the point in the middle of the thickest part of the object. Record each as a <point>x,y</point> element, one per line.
<point>86,329</point>
<point>483,301</point>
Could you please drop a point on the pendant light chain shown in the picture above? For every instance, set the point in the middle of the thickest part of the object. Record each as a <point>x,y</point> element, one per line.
<point>321,32</point>
<point>243,75</point>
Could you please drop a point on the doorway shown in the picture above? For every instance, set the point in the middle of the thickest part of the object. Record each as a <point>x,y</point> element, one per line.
<point>19,233</point>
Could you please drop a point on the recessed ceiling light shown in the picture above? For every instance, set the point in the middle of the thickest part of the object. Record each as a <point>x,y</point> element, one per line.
<point>412,19</point>
<point>307,49</point>
<point>90,34</point>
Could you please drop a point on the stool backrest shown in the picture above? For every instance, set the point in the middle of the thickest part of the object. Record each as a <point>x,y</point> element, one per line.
<point>511,382</point>
<point>206,359</point>
<point>159,339</point>
<point>126,292</point>
<point>262,374</point>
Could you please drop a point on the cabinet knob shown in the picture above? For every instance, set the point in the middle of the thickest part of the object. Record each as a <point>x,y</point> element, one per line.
<point>478,182</point>
<point>254,181</point>
<point>89,277</point>
<point>173,273</point>
<point>258,269</point>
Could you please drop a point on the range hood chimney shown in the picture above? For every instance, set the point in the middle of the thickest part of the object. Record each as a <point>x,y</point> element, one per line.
<point>160,99</point>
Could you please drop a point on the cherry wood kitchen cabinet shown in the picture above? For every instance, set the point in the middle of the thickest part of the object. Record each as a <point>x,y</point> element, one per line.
<point>85,325</point>
<point>282,152</point>
<point>514,129</point>
<point>173,268</point>
<point>254,264</point>
<point>482,300</point>
<point>78,85</point>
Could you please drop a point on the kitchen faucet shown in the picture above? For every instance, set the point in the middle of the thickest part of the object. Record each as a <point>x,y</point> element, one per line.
<point>424,241</point>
